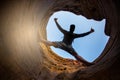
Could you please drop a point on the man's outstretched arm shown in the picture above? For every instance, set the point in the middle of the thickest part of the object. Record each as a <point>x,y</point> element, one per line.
<point>59,27</point>
<point>84,34</point>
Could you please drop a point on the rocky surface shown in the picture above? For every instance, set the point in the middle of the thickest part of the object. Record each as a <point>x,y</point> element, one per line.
<point>23,57</point>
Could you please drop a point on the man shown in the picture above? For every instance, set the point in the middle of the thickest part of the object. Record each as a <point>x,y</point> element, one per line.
<point>66,43</point>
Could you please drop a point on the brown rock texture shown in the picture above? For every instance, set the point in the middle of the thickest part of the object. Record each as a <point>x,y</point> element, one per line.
<point>23,57</point>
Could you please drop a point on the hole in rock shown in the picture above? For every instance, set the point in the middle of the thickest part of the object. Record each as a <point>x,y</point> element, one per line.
<point>88,47</point>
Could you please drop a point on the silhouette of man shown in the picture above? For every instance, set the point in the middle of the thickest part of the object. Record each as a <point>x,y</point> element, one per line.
<point>66,43</point>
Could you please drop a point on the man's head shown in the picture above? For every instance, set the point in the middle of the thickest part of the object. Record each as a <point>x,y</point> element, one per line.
<point>72,28</point>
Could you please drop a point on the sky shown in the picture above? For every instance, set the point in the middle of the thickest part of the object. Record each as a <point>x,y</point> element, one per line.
<point>88,47</point>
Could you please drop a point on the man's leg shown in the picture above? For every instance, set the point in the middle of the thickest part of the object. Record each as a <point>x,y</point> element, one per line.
<point>49,43</point>
<point>79,58</point>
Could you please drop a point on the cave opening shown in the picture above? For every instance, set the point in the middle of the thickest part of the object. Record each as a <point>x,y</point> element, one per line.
<point>89,47</point>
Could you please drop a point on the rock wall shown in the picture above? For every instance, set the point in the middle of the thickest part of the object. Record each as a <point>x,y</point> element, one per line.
<point>23,57</point>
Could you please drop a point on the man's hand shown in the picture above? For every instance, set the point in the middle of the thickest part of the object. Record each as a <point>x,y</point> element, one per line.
<point>92,30</point>
<point>55,19</point>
